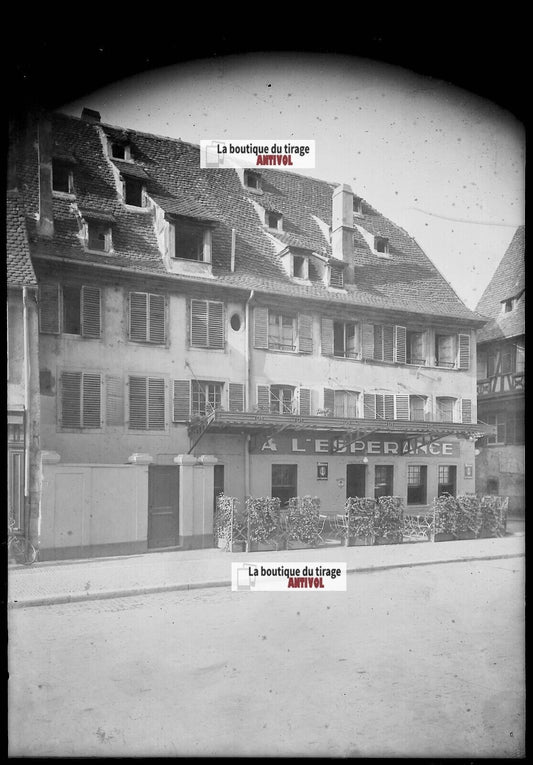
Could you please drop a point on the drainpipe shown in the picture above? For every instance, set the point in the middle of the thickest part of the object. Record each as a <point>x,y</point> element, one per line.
<point>32,467</point>
<point>27,428</point>
<point>248,389</point>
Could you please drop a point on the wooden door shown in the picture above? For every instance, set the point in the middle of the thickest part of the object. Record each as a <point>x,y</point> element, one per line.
<point>163,506</point>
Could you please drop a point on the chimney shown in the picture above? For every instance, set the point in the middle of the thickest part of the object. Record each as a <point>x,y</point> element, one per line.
<point>342,228</point>
<point>90,115</point>
<point>46,213</point>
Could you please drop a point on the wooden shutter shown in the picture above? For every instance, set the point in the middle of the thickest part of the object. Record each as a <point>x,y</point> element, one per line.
<point>157,322</point>
<point>236,397</point>
<point>466,410</point>
<point>114,400</point>
<point>263,398</point>
<point>400,335</point>
<point>304,401</point>
<point>49,309</point>
<point>199,323</point>
<point>368,341</point>
<point>326,337</point>
<point>305,333</point>
<point>156,403</point>
<point>388,406</point>
<point>260,327</point>
<point>92,408</point>
<point>138,389</point>
<point>90,312</point>
<point>388,343</point>
<point>329,401</point>
<point>215,337</point>
<point>378,342</point>
<point>71,400</point>
<point>369,406</point>
<point>138,316</point>
<point>181,400</point>
<point>464,351</point>
<point>402,407</point>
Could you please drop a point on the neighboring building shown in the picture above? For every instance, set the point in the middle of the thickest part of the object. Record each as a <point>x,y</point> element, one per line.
<point>500,371</point>
<point>275,321</point>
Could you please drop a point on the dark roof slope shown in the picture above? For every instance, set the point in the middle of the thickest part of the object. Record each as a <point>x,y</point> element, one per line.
<point>508,282</point>
<point>19,266</point>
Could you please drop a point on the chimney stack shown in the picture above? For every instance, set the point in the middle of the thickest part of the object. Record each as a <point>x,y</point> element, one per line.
<point>46,213</point>
<point>90,115</point>
<point>342,228</point>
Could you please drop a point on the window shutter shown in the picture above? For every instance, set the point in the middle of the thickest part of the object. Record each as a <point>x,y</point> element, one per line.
<point>260,327</point>
<point>369,406</point>
<point>156,403</point>
<point>389,406</point>
<point>304,401</point>
<point>181,400</point>
<point>305,333</point>
<point>466,410</point>
<point>263,397</point>
<point>114,400</point>
<point>327,337</point>
<point>388,343</point>
<point>329,401</point>
<point>464,351</point>
<point>90,312</point>
<point>157,319</point>
<point>199,323</point>
<point>368,341</point>
<point>378,342</point>
<point>92,409</point>
<point>402,407</point>
<point>236,397</point>
<point>400,344</point>
<point>71,399</point>
<point>216,325</point>
<point>138,315</point>
<point>49,308</point>
<point>137,403</point>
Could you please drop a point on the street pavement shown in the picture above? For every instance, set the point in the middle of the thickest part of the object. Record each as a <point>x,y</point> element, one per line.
<point>56,582</point>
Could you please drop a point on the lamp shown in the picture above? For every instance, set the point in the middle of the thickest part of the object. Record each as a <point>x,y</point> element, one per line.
<point>477,452</point>
<point>365,460</point>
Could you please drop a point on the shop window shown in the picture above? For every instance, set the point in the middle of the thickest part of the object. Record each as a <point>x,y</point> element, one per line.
<point>346,340</point>
<point>447,480</point>
<point>284,482</point>
<point>416,484</point>
<point>206,397</point>
<point>383,481</point>
<point>62,177</point>
<point>281,332</point>
<point>417,408</point>
<point>282,399</point>
<point>415,348</point>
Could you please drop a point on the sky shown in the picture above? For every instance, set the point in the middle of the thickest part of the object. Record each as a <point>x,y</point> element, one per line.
<point>444,164</point>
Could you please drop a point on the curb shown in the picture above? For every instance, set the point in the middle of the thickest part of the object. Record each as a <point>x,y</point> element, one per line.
<point>52,600</point>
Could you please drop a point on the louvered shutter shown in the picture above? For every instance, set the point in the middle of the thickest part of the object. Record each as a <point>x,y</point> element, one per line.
<point>400,344</point>
<point>181,400</point>
<point>236,397</point>
<point>388,406</point>
<point>369,406</point>
<point>464,351</point>
<point>138,389</point>
<point>378,342</point>
<point>49,309</point>
<point>114,400</point>
<point>304,401</point>
<point>138,316</point>
<point>199,323</point>
<point>388,343</point>
<point>157,322</point>
<point>305,333</point>
<point>263,398</point>
<point>402,407</point>
<point>326,335</point>
<point>90,312</point>
<point>92,409</point>
<point>71,400</point>
<point>329,401</point>
<point>156,403</point>
<point>466,410</point>
<point>260,327</point>
<point>368,341</point>
<point>215,337</point>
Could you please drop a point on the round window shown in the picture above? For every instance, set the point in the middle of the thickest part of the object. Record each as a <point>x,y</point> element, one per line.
<point>235,322</point>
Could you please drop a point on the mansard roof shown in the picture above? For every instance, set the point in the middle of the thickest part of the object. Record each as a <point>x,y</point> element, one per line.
<point>20,271</point>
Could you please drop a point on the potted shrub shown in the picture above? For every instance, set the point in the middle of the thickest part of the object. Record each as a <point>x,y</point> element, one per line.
<point>493,516</point>
<point>262,515</point>
<point>303,522</point>
<point>445,511</point>
<point>361,520</point>
<point>469,517</point>
<point>388,522</point>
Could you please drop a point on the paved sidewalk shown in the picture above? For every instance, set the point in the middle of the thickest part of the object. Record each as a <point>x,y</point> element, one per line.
<point>91,579</point>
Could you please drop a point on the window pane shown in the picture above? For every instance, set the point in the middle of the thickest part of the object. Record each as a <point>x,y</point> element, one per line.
<point>339,347</point>
<point>416,484</point>
<point>383,481</point>
<point>71,310</point>
<point>189,242</point>
<point>447,480</point>
<point>445,350</point>
<point>417,408</point>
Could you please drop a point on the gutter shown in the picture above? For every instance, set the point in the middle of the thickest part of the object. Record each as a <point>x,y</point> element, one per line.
<point>248,389</point>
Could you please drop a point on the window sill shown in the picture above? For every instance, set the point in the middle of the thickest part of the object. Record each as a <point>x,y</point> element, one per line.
<point>164,344</point>
<point>206,348</point>
<point>137,208</point>
<point>99,252</point>
<point>70,195</point>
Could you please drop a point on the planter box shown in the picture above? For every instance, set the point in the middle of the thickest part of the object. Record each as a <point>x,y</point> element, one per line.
<point>357,541</point>
<point>444,536</point>
<point>393,539</point>
<point>486,534</point>
<point>466,535</point>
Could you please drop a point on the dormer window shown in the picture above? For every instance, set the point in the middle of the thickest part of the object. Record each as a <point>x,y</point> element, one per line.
<point>98,236</point>
<point>62,177</point>
<point>120,150</point>
<point>192,241</point>
<point>252,180</point>
<point>274,220</point>
<point>133,192</point>
<point>300,266</point>
<point>381,245</point>
<point>357,206</point>
<point>336,276</point>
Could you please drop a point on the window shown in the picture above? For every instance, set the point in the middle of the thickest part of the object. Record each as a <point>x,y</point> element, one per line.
<point>146,403</point>
<point>508,305</point>
<point>206,397</point>
<point>299,266</point>
<point>147,318</point>
<point>345,403</point>
<point>491,363</point>
<point>383,481</point>
<point>284,482</point>
<point>121,150</point>
<point>357,206</point>
<point>447,480</point>
<point>72,309</point>
<point>500,421</point>
<point>386,406</point>
<point>481,365</point>
<point>415,348</point>
<point>281,332</point>
<point>62,177</point>
<point>445,409</point>
<point>493,486</point>
<point>207,324</point>
<point>274,220</point>
<point>336,276</point>
<point>252,180</point>
<point>133,192</point>
<point>384,342</point>
<point>192,241</point>
<point>520,359</point>
<point>218,482</point>
<point>416,484</point>
<point>417,408</point>
<point>345,340</point>
<point>98,236</point>
<point>452,351</point>
<point>282,399</point>
<point>381,245</point>
<point>80,400</point>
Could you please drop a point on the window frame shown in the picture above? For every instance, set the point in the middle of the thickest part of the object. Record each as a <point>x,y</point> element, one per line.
<point>409,333</point>
<point>65,167</point>
<point>278,218</point>
<point>357,339</point>
<point>200,230</point>
<point>421,486</point>
<point>105,228</point>
<point>276,487</point>
<point>83,426</point>
<point>348,397</point>
<point>442,487</point>
<point>148,318</point>
<point>438,406</point>
<point>282,347</point>
<point>128,181</point>
<point>198,389</point>
<point>388,483</point>
<point>147,378</point>
<point>221,306</point>
<point>278,392</point>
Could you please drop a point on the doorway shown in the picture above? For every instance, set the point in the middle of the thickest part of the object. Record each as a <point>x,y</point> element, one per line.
<point>355,480</point>
<point>163,505</point>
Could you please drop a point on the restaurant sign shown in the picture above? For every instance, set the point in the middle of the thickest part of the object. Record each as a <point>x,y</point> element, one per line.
<point>374,446</point>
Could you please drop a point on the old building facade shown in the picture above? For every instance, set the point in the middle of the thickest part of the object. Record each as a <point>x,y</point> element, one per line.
<point>270,332</point>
